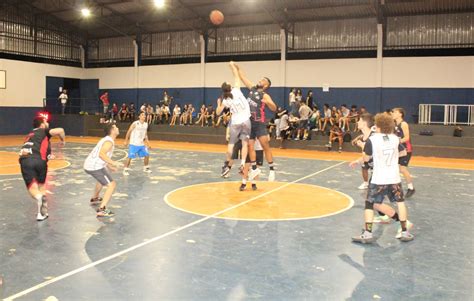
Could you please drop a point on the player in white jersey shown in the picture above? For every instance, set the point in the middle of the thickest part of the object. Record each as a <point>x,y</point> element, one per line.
<point>138,144</point>
<point>383,147</point>
<point>233,99</point>
<point>98,164</point>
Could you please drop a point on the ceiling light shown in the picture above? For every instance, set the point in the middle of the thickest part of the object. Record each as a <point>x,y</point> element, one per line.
<point>85,12</point>
<point>159,3</point>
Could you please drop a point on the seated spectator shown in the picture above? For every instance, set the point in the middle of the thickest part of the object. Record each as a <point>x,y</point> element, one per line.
<point>210,116</point>
<point>325,118</point>
<point>224,117</point>
<point>123,112</point>
<point>158,114</point>
<point>184,116</point>
<point>132,112</point>
<point>189,120</point>
<point>344,118</point>
<point>114,111</point>
<point>362,110</point>
<point>283,127</point>
<point>293,121</point>
<point>176,114</point>
<point>165,112</point>
<point>314,119</point>
<point>143,108</point>
<point>335,134</point>
<point>305,113</point>
<point>353,117</point>
<point>280,112</point>
<point>150,115</point>
<point>202,115</point>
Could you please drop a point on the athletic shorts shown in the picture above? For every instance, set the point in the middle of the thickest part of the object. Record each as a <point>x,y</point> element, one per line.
<point>102,176</point>
<point>140,151</point>
<point>33,171</point>
<point>368,165</point>
<point>259,160</point>
<point>376,193</point>
<point>259,129</point>
<point>239,132</point>
<point>403,161</point>
<point>303,124</point>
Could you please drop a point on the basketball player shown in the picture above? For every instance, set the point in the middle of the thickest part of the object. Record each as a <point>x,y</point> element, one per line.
<point>366,126</point>
<point>34,156</point>
<point>259,157</point>
<point>258,99</point>
<point>239,127</point>
<point>98,163</point>
<point>403,132</point>
<point>383,148</point>
<point>138,144</point>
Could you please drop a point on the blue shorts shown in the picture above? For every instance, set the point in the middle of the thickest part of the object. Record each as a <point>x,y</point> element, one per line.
<point>140,151</point>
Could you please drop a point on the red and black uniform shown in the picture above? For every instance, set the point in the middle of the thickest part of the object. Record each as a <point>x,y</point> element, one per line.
<point>257,114</point>
<point>34,165</point>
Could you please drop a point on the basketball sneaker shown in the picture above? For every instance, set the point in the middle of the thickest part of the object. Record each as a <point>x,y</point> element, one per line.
<point>242,187</point>
<point>126,171</point>
<point>382,219</point>
<point>103,212</point>
<point>410,193</point>
<point>406,236</point>
<point>271,176</point>
<point>147,169</point>
<point>365,237</point>
<point>364,185</point>
<point>225,171</point>
<point>254,186</point>
<point>40,217</point>
<point>399,230</point>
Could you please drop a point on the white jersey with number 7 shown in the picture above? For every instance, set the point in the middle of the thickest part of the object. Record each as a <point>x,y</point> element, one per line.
<point>238,105</point>
<point>384,150</point>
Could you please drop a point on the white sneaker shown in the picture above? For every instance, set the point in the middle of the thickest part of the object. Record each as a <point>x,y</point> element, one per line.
<point>399,230</point>
<point>125,171</point>
<point>254,173</point>
<point>147,170</point>
<point>364,185</point>
<point>40,217</point>
<point>271,176</point>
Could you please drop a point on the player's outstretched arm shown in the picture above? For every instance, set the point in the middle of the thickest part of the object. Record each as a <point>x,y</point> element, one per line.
<point>267,99</point>
<point>235,72</point>
<point>243,78</point>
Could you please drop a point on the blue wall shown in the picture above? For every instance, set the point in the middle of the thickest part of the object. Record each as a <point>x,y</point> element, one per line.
<point>374,99</point>
<point>17,120</point>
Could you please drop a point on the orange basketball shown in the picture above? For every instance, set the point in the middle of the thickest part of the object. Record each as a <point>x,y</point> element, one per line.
<point>216,17</point>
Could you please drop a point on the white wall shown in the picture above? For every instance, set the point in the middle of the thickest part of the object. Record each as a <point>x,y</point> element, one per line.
<point>26,82</point>
<point>429,72</point>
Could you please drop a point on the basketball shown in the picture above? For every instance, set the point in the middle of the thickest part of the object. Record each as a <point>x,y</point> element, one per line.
<point>216,17</point>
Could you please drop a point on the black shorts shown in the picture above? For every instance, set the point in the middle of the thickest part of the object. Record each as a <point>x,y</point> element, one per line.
<point>258,130</point>
<point>33,171</point>
<point>376,193</point>
<point>405,160</point>
<point>259,160</point>
<point>368,165</point>
<point>102,176</point>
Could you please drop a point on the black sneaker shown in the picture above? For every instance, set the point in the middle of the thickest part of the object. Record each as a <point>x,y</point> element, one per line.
<point>225,171</point>
<point>410,193</point>
<point>44,206</point>
<point>242,187</point>
<point>254,186</point>
<point>96,201</point>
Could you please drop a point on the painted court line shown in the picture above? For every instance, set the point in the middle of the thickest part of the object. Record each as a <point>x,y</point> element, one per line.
<point>128,250</point>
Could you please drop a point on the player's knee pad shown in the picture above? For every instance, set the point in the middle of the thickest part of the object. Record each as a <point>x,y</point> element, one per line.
<point>369,205</point>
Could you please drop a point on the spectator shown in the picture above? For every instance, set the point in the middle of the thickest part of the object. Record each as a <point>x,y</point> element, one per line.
<point>305,113</point>
<point>210,116</point>
<point>335,134</point>
<point>283,127</point>
<point>309,99</point>
<point>105,101</point>
<point>63,98</point>
<point>166,99</point>
<point>344,118</point>
<point>176,113</point>
<point>166,112</point>
<point>132,112</point>
<point>190,115</point>
<point>299,96</point>
<point>143,108</point>
<point>149,114</point>
<point>202,115</point>
<point>224,117</point>
<point>362,110</point>
<point>123,112</point>
<point>353,118</point>
<point>292,100</point>
<point>325,119</point>
<point>114,111</point>
<point>184,116</point>
<point>158,114</point>
<point>279,113</point>
<point>293,121</point>
<point>314,119</point>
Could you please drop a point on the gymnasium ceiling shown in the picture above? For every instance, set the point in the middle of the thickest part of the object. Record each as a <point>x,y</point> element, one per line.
<point>127,17</point>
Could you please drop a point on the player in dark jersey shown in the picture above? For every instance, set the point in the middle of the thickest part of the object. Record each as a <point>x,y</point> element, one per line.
<point>258,100</point>
<point>403,132</point>
<point>34,156</point>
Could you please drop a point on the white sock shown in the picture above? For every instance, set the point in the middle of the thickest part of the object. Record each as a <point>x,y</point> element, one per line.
<point>39,200</point>
<point>146,167</point>
<point>244,181</point>
<point>366,183</point>
<point>410,186</point>
<point>242,162</point>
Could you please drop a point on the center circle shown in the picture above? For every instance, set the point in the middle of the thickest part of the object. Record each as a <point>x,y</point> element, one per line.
<point>272,201</point>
